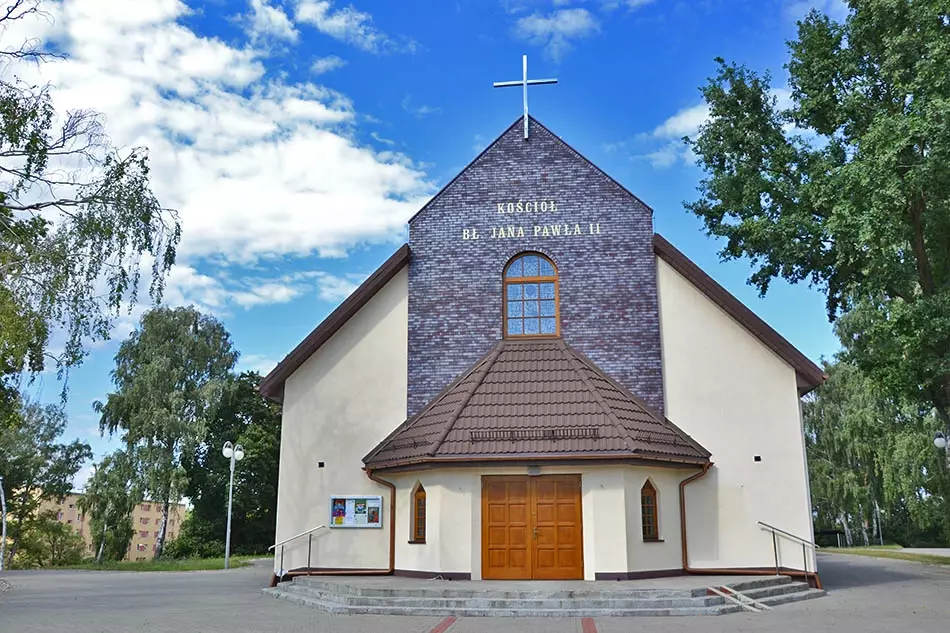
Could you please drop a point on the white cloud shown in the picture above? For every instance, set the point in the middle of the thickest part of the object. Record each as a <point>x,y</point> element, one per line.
<point>265,21</point>
<point>220,293</point>
<point>686,122</point>
<point>555,31</point>
<point>629,4</point>
<point>380,139</point>
<point>256,362</point>
<point>798,9</point>
<point>419,111</point>
<point>256,167</point>
<point>83,476</point>
<point>347,25</point>
<point>326,64</point>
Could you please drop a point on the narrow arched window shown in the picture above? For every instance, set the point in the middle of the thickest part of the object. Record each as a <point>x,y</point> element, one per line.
<point>531,297</point>
<point>648,512</point>
<point>417,529</point>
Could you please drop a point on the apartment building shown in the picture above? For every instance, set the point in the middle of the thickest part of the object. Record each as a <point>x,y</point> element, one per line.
<point>146,521</point>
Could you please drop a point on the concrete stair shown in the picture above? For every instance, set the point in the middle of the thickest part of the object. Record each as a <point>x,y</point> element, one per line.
<point>600,600</point>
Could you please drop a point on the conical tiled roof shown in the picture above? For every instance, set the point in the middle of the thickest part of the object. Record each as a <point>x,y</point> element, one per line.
<point>534,400</point>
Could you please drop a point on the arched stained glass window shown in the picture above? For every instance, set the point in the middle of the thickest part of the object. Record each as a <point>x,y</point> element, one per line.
<point>418,514</point>
<point>648,512</point>
<point>531,297</point>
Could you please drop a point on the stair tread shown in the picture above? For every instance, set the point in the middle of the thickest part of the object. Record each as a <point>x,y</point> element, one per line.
<point>339,598</point>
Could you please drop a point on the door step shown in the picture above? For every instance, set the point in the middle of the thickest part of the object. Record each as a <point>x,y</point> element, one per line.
<point>469,599</point>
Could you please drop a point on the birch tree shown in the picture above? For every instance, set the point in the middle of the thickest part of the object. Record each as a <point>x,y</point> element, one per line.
<point>78,221</point>
<point>109,498</point>
<point>35,465</point>
<point>169,377</point>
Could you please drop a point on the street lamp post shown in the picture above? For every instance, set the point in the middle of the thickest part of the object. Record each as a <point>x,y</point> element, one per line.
<point>942,438</point>
<point>235,453</point>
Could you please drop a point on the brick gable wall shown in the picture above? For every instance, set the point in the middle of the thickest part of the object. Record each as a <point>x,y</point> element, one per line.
<point>608,287</point>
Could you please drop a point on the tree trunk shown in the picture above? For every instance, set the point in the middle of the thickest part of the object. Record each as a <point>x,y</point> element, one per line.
<point>874,524</point>
<point>3,521</point>
<point>864,525</point>
<point>880,523</point>
<point>102,544</point>
<point>842,519</point>
<point>160,547</point>
<point>924,270</point>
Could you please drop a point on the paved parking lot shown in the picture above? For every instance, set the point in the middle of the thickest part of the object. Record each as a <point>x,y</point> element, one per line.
<point>864,595</point>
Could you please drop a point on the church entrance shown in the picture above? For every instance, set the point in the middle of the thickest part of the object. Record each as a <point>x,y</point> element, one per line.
<point>532,528</point>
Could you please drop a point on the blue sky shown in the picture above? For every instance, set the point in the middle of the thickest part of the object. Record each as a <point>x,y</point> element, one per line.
<point>296,137</point>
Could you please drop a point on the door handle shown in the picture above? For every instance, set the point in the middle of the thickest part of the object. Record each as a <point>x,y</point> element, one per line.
<point>535,533</point>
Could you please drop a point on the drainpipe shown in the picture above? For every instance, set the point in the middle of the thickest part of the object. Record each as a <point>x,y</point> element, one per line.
<point>809,578</point>
<point>392,518</point>
<point>360,572</point>
<point>683,485</point>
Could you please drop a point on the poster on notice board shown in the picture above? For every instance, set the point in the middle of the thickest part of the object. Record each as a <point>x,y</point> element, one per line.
<point>356,511</point>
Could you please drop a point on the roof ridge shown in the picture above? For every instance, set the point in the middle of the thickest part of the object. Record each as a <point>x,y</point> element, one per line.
<point>517,123</point>
<point>484,367</point>
<point>624,432</point>
<point>660,417</point>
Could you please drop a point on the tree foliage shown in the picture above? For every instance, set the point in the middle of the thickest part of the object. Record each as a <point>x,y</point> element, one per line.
<point>847,188</point>
<point>867,451</point>
<point>35,465</point>
<point>169,378</point>
<point>49,543</point>
<point>247,418</point>
<point>78,219</point>
<point>109,499</point>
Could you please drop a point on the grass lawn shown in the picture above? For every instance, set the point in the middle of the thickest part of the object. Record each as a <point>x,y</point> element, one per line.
<point>186,564</point>
<point>890,551</point>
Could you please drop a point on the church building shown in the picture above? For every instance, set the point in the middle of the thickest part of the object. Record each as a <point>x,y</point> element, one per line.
<point>538,386</point>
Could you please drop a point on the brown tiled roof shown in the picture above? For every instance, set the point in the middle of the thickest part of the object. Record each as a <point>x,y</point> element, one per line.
<point>534,400</point>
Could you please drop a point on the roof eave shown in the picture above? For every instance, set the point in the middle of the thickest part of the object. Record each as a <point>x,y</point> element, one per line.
<point>425,461</point>
<point>808,374</point>
<point>272,386</point>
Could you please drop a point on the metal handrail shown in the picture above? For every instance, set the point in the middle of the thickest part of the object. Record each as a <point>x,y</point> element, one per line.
<point>789,534</point>
<point>296,536</point>
<point>309,535</point>
<point>805,543</point>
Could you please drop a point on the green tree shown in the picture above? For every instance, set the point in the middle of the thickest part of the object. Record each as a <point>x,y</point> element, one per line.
<point>49,543</point>
<point>77,220</point>
<point>169,377</point>
<point>871,462</point>
<point>845,439</point>
<point>247,418</point>
<point>848,187</point>
<point>109,498</point>
<point>35,466</point>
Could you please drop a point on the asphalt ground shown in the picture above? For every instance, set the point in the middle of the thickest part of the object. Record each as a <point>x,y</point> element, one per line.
<point>864,595</point>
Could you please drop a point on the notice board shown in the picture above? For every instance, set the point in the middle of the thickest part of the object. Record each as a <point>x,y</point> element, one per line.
<point>356,511</point>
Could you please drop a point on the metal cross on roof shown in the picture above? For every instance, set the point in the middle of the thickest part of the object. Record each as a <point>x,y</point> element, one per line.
<point>524,83</point>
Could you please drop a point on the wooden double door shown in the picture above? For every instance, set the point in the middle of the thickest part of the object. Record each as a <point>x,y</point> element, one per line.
<point>532,528</point>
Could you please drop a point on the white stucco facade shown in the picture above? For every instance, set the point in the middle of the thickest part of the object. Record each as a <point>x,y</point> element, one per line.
<point>723,386</point>
<point>738,399</point>
<point>610,502</point>
<point>338,405</point>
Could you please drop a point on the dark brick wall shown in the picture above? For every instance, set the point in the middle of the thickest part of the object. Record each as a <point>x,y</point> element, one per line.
<point>608,293</point>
